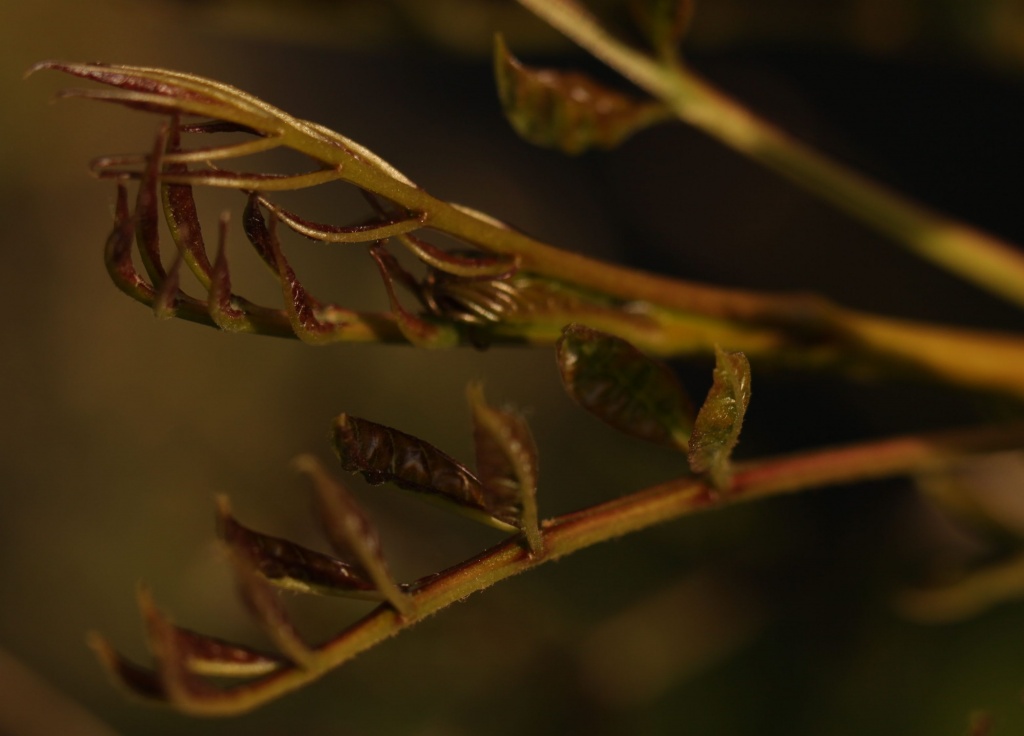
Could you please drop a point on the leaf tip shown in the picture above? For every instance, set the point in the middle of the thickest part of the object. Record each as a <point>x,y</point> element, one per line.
<point>44,65</point>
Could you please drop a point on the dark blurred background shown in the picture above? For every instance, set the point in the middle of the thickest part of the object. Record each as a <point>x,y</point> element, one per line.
<point>771,619</point>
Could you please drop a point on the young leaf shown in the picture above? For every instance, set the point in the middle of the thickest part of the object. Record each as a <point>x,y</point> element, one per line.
<point>303,310</point>
<point>351,533</point>
<point>147,228</point>
<point>211,656</point>
<point>291,566</point>
<point>719,420</point>
<point>420,332</point>
<point>117,256</point>
<point>567,110</point>
<point>621,386</point>
<point>472,301</point>
<point>506,462</point>
<point>223,306</point>
<point>383,454</point>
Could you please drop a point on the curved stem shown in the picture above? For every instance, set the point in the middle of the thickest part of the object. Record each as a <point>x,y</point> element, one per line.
<point>575,531</point>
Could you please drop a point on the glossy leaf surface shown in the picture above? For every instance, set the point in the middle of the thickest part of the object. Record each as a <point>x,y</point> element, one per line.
<point>622,387</point>
<point>386,455</point>
<point>294,567</point>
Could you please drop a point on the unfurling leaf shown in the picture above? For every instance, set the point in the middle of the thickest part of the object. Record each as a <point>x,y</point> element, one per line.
<point>383,454</point>
<point>351,533</point>
<point>664,21</point>
<point>621,386</point>
<point>567,110</point>
<point>291,566</point>
<point>720,419</point>
<point>506,462</point>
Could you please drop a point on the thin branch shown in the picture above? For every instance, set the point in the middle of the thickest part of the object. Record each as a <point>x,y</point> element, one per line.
<point>575,531</point>
<point>989,262</point>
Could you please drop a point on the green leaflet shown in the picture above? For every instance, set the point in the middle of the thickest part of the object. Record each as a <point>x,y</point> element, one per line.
<point>567,110</point>
<point>720,419</point>
<point>621,386</point>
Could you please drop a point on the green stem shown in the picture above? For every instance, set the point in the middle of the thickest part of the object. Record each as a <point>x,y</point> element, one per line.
<point>575,531</point>
<point>987,261</point>
<point>661,315</point>
<point>687,317</point>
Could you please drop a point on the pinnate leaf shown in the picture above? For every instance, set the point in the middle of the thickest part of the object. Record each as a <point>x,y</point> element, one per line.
<point>717,428</point>
<point>622,387</point>
<point>567,110</point>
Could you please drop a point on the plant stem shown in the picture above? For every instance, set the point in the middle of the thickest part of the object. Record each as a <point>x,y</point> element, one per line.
<point>987,261</point>
<point>575,531</point>
<point>661,315</point>
<point>689,317</point>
